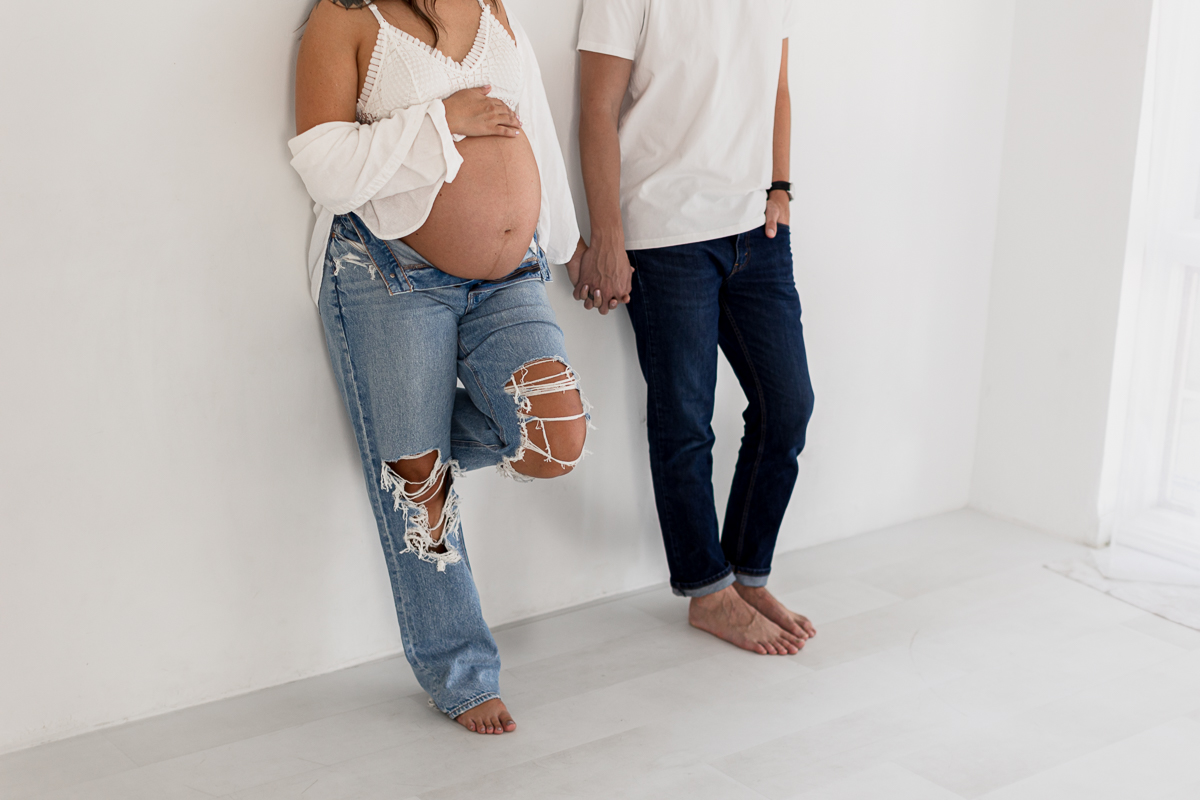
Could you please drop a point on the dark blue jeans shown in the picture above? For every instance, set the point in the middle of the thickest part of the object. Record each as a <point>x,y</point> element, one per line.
<point>736,293</point>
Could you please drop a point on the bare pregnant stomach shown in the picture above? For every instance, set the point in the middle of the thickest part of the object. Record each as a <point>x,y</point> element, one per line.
<point>482,224</point>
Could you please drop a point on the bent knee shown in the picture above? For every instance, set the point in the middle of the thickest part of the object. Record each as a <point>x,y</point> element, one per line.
<point>552,417</point>
<point>566,440</point>
<point>552,450</point>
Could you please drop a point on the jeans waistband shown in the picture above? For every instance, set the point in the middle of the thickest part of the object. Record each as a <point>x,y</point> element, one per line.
<point>405,270</point>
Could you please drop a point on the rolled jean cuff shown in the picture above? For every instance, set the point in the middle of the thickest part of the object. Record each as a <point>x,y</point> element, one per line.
<point>753,581</point>
<point>717,584</point>
<point>478,700</point>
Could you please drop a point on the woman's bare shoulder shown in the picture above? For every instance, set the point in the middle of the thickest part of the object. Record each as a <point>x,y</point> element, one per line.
<point>328,78</point>
<point>333,22</point>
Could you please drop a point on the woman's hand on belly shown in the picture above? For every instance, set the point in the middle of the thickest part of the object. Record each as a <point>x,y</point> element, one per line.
<point>471,112</point>
<point>482,224</point>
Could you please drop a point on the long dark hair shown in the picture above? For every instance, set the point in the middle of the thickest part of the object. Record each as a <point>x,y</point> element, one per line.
<point>424,9</point>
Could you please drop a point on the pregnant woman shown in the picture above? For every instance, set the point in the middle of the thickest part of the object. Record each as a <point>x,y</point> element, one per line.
<point>425,138</point>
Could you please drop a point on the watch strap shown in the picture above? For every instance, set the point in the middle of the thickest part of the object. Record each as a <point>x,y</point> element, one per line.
<point>784,186</point>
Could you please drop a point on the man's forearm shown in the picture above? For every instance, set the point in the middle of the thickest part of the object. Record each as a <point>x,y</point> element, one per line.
<point>781,151</point>
<point>600,153</point>
<point>604,271</point>
<point>782,141</point>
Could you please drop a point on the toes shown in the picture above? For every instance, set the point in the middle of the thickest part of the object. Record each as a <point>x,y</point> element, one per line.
<point>783,644</point>
<point>499,722</point>
<point>791,628</point>
<point>794,638</point>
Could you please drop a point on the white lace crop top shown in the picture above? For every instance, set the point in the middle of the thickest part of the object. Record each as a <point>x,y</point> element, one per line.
<point>405,71</point>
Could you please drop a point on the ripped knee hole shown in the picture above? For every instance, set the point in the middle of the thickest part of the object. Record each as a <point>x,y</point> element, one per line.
<point>558,379</point>
<point>412,497</point>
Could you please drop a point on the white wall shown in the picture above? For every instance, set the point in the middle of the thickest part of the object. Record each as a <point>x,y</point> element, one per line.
<point>1069,153</point>
<point>183,515</point>
<point>898,124</point>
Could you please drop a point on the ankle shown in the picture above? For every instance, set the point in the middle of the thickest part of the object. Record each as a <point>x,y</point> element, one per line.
<point>714,599</point>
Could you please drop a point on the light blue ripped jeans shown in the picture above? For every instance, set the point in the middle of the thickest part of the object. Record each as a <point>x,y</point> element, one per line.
<point>401,335</point>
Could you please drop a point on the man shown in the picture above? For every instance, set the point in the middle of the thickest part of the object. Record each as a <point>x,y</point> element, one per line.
<point>684,136</point>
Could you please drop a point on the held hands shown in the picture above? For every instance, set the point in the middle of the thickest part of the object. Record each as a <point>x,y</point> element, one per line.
<point>573,269</point>
<point>779,211</point>
<point>471,112</point>
<point>601,274</point>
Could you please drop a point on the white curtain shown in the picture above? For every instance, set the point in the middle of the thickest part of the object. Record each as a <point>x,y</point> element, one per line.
<point>1157,506</point>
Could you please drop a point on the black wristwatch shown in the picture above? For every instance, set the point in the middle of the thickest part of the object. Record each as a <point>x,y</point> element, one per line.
<point>783,186</point>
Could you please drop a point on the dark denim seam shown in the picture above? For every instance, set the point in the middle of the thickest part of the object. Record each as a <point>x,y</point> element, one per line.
<point>762,438</point>
<point>729,570</point>
<point>738,263</point>
<point>652,390</point>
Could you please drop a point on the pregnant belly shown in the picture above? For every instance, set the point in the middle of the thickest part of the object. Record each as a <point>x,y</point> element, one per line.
<point>482,224</point>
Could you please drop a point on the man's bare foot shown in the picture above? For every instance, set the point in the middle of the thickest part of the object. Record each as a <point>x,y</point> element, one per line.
<point>727,616</point>
<point>487,717</point>
<point>796,624</point>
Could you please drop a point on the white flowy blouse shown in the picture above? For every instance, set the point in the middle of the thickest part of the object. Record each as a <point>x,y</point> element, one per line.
<point>389,171</point>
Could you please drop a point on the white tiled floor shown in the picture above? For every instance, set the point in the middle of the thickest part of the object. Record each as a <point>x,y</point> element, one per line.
<point>949,664</point>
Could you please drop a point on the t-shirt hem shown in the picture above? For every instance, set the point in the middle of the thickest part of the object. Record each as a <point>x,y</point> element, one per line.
<point>606,49</point>
<point>692,238</point>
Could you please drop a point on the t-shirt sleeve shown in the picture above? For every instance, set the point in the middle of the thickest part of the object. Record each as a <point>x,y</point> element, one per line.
<point>791,14</point>
<point>612,27</point>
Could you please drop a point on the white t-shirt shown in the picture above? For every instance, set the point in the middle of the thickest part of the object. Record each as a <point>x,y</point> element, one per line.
<point>697,122</point>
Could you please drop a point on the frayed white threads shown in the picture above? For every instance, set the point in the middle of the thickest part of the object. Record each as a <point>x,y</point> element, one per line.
<point>418,530</point>
<point>523,389</point>
<point>356,255</point>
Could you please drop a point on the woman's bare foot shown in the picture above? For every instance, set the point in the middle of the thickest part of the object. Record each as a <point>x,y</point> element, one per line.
<point>487,717</point>
<point>727,616</point>
<point>796,624</point>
